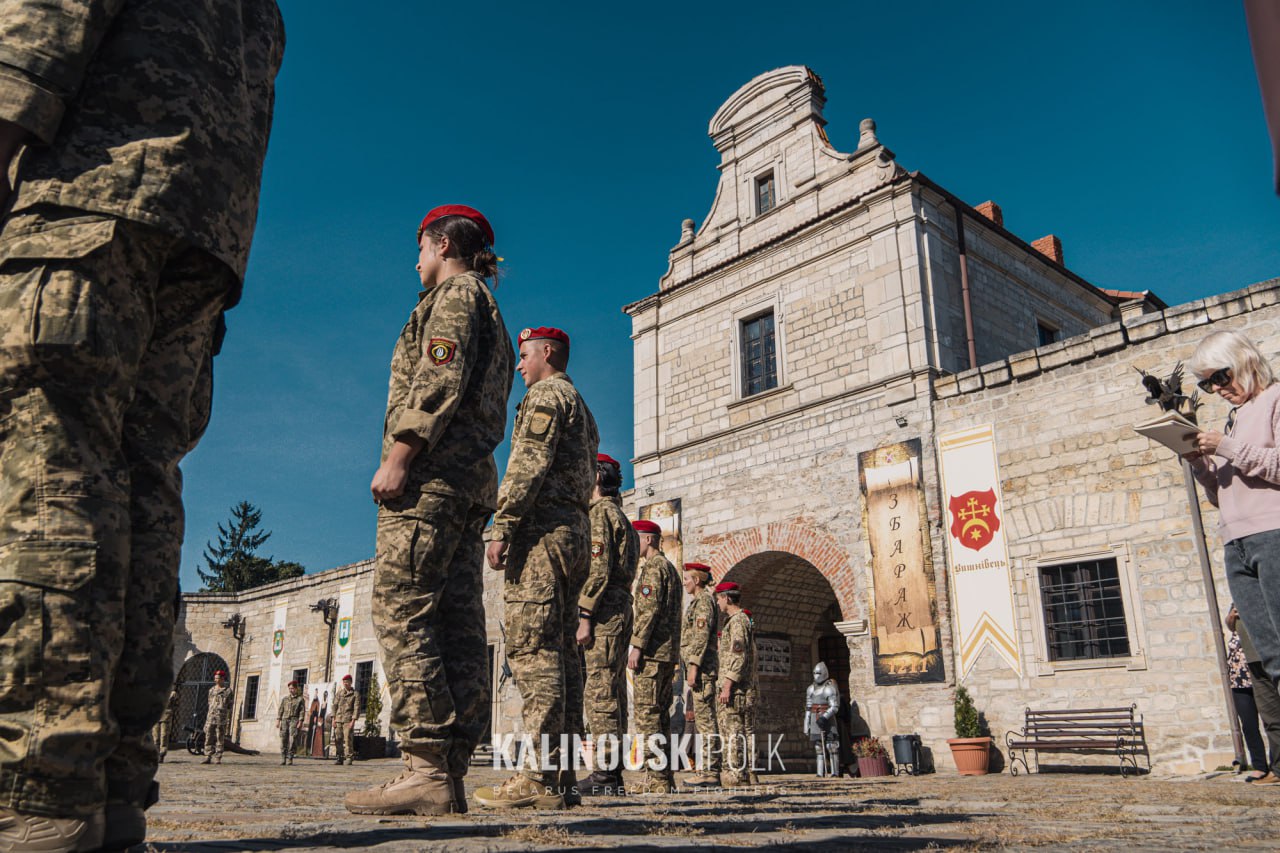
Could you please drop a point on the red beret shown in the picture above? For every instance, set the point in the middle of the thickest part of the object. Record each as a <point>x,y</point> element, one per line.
<point>346,678</point>
<point>645,526</point>
<point>458,210</point>
<point>606,458</point>
<point>221,672</point>
<point>727,586</point>
<point>543,332</point>
<point>697,567</point>
<point>746,611</point>
<point>293,684</point>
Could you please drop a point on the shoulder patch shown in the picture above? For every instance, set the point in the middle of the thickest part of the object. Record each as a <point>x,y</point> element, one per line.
<point>539,423</point>
<point>597,548</point>
<point>441,350</point>
<point>737,647</point>
<point>702,622</point>
<point>646,590</point>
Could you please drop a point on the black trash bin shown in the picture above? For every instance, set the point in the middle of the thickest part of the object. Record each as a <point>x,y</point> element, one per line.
<point>906,753</point>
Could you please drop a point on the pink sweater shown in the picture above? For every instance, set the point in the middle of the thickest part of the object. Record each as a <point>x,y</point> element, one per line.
<point>1243,478</point>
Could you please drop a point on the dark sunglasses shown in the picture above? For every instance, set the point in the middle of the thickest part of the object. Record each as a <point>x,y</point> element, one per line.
<point>1217,379</point>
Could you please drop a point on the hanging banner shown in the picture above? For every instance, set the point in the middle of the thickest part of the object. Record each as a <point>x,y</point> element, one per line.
<point>342,636</point>
<point>274,687</point>
<point>906,639</point>
<point>976,547</point>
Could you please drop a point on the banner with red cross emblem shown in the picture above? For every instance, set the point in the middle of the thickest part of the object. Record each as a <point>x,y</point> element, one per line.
<point>977,551</point>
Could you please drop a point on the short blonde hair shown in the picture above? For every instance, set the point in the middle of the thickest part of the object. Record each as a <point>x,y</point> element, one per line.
<point>1233,350</point>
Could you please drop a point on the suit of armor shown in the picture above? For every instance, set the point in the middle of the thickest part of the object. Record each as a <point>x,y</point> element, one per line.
<point>821,704</point>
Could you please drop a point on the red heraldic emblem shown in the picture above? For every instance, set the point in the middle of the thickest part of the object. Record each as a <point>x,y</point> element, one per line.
<point>973,518</point>
<point>441,351</point>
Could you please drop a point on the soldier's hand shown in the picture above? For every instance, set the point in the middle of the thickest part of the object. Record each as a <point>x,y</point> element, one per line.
<point>692,678</point>
<point>496,555</point>
<point>633,659</point>
<point>389,482</point>
<point>586,634</point>
<point>725,693</point>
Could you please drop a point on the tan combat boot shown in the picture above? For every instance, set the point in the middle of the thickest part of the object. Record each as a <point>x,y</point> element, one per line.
<point>422,788</point>
<point>28,833</point>
<point>654,785</point>
<point>520,792</point>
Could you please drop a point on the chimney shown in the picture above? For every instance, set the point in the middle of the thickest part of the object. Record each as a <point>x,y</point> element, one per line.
<point>1049,246</point>
<point>992,211</point>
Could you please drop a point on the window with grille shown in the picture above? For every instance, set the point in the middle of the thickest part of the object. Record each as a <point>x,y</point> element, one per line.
<point>1083,611</point>
<point>364,675</point>
<point>300,676</point>
<point>766,195</point>
<point>249,710</point>
<point>759,355</point>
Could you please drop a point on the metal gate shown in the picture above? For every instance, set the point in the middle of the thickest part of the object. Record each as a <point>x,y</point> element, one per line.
<point>193,685</point>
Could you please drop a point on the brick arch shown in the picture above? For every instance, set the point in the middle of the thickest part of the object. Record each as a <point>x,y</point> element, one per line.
<point>809,542</point>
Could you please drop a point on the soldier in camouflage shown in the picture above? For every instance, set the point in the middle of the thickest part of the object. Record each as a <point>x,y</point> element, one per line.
<point>436,487</point>
<point>142,128</point>
<point>540,537</point>
<point>217,720</point>
<point>165,724</point>
<point>344,720</point>
<point>604,615</point>
<point>698,653</point>
<point>289,721</point>
<point>655,644</point>
<point>737,680</point>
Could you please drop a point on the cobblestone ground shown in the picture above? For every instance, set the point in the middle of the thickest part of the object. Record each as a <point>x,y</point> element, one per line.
<point>252,803</point>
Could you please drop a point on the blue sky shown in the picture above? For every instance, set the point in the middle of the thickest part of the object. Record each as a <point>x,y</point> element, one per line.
<point>1132,131</point>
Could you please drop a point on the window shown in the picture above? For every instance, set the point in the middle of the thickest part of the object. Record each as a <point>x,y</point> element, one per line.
<point>300,676</point>
<point>766,195</point>
<point>1084,614</point>
<point>1046,334</point>
<point>364,675</point>
<point>759,355</point>
<point>249,710</point>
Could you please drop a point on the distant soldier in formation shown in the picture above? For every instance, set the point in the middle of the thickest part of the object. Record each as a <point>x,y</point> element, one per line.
<point>604,616</point>
<point>540,537</point>
<point>344,720</point>
<point>655,644</point>
<point>218,718</point>
<point>436,486</point>
<point>737,678</point>
<point>165,725</point>
<point>699,656</point>
<point>289,719</point>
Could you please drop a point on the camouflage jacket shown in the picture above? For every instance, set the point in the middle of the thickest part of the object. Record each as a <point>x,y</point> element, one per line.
<point>552,468</point>
<point>157,111</point>
<point>344,706</point>
<point>737,652</point>
<point>450,378</point>
<point>291,709</point>
<point>700,623</point>
<point>615,548</point>
<point>656,625</point>
<point>219,702</point>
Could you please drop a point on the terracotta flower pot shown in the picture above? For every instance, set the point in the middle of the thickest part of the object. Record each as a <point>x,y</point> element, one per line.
<point>972,754</point>
<point>873,767</point>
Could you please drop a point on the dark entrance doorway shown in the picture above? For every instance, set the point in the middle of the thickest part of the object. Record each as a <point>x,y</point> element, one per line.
<point>194,681</point>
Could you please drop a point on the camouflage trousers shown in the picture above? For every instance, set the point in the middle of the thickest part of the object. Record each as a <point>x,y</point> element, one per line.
<point>428,609</point>
<point>342,739</point>
<point>653,695</point>
<point>704,714</point>
<point>215,734</point>
<point>161,733</point>
<point>289,737</point>
<point>605,688</point>
<point>107,331</point>
<point>732,719</point>
<point>545,573</point>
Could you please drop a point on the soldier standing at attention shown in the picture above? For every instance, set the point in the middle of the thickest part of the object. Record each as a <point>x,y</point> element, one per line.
<point>604,616</point>
<point>217,719</point>
<point>436,487</point>
<point>289,719</point>
<point>540,537</point>
<point>344,720</point>
<point>655,643</point>
<point>135,133</point>
<point>737,678</point>
<point>698,653</point>
<point>164,726</point>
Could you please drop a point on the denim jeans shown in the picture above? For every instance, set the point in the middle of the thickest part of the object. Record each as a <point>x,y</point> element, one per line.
<point>1253,573</point>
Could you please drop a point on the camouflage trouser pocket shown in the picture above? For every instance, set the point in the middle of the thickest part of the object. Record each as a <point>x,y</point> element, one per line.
<point>531,616</point>
<point>45,635</point>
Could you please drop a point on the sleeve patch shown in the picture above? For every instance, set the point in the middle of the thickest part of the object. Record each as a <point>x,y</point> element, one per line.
<point>737,647</point>
<point>441,351</point>
<point>597,548</point>
<point>702,623</point>
<point>540,422</point>
<point>646,590</point>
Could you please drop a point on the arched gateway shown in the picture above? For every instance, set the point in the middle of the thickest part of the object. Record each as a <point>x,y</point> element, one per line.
<point>194,681</point>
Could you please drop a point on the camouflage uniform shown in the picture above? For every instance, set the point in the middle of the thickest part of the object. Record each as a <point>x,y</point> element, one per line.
<point>127,238</point>
<point>542,513</point>
<point>698,648</point>
<point>606,595</point>
<point>657,635</point>
<point>450,377</point>
<point>165,724</point>
<point>344,713</point>
<point>288,718</point>
<point>217,721</point>
<point>737,662</point>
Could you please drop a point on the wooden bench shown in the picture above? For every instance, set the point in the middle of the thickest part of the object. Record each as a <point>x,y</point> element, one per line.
<point>1113,731</point>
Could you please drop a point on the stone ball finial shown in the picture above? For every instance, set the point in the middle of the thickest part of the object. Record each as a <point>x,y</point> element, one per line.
<point>686,230</point>
<point>867,133</point>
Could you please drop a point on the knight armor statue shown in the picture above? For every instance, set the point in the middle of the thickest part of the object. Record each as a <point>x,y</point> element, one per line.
<point>821,704</point>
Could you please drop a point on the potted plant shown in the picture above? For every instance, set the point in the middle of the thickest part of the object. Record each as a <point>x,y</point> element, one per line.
<point>370,743</point>
<point>873,759</point>
<point>970,748</point>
